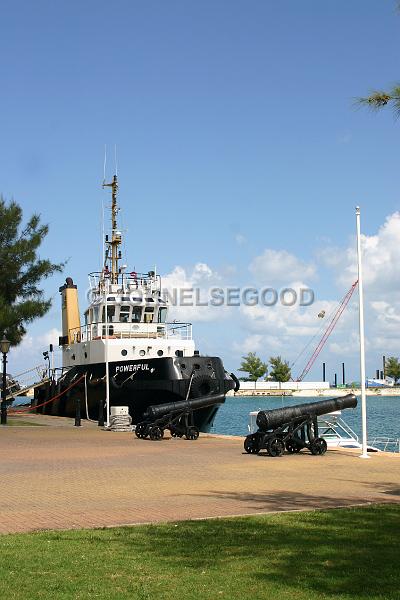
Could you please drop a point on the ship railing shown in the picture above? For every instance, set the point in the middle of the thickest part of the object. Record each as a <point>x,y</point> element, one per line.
<point>385,444</point>
<point>124,283</point>
<point>24,382</point>
<point>181,331</point>
<point>335,424</point>
<point>98,331</point>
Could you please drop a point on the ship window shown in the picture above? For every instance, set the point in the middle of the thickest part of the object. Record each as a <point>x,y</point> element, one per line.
<point>125,299</point>
<point>135,299</point>
<point>162,315</point>
<point>136,314</point>
<point>124,352</point>
<point>111,299</point>
<point>148,314</point>
<point>96,314</point>
<point>110,313</point>
<point>142,352</point>
<point>160,352</point>
<point>149,299</point>
<point>124,314</point>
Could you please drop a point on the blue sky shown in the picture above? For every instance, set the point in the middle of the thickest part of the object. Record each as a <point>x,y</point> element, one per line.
<point>236,133</point>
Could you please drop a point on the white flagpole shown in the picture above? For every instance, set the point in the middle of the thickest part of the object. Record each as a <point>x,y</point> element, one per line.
<point>364,453</point>
<point>107,367</point>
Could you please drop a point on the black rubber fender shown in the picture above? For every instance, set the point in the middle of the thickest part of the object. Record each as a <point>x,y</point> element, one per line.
<point>203,385</point>
<point>237,382</point>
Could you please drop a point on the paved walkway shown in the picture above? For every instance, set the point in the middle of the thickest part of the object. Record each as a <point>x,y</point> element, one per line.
<point>61,477</point>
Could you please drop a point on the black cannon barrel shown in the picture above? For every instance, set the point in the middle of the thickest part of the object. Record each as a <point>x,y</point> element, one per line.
<point>271,419</point>
<point>158,410</point>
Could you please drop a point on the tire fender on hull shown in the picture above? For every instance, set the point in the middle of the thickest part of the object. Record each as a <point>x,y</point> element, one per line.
<point>203,385</point>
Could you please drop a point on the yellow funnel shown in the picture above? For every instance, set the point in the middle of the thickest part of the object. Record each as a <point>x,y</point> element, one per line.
<point>70,313</point>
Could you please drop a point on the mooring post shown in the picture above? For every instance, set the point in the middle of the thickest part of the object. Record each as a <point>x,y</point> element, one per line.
<point>77,411</point>
<point>101,414</point>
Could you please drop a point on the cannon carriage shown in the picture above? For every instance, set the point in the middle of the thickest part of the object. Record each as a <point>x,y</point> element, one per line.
<point>177,417</point>
<point>293,428</point>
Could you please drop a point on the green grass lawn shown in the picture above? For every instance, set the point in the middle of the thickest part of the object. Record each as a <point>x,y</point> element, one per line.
<point>17,422</point>
<point>338,554</point>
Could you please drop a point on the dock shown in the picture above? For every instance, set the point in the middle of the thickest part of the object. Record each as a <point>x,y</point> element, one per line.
<point>57,476</point>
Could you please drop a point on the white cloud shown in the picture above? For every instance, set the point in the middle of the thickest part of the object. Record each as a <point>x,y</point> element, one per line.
<point>202,272</point>
<point>251,343</point>
<point>198,283</point>
<point>346,347</point>
<point>380,256</point>
<point>279,266</point>
<point>49,337</point>
<point>28,354</point>
<point>240,239</point>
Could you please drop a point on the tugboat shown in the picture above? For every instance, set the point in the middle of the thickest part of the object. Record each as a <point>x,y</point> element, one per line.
<point>126,353</point>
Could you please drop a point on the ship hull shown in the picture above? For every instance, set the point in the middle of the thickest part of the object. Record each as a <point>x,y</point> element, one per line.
<point>138,384</point>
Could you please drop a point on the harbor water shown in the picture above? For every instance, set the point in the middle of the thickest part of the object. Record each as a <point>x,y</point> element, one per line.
<point>383,414</point>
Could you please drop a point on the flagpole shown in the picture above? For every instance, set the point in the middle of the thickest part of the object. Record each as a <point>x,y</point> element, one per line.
<point>364,453</point>
<point>107,362</point>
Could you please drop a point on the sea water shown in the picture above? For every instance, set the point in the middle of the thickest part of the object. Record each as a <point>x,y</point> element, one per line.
<point>383,413</point>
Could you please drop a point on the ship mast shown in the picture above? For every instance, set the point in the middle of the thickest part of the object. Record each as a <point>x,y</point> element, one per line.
<point>115,234</point>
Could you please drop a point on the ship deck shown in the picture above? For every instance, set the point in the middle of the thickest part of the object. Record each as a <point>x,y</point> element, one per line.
<point>57,476</point>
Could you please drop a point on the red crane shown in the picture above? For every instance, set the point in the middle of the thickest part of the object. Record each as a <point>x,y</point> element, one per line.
<point>335,318</point>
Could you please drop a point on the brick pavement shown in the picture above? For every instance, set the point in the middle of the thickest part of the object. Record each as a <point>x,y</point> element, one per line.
<point>62,477</point>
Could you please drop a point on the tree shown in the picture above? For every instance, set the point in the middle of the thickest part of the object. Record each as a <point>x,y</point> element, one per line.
<point>21,299</point>
<point>280,370</point>
<point>380,99</point>
<point>392,368</point>
<point>254,366</point>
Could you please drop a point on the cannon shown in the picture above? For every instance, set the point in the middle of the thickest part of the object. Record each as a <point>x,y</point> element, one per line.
<point>294,427</point>
<point>175,416</point>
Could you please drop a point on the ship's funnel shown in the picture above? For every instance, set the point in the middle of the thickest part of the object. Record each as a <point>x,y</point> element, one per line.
<point>70,313</point>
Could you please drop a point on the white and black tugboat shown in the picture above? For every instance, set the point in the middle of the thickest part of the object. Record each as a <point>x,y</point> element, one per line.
<point>126,335</point>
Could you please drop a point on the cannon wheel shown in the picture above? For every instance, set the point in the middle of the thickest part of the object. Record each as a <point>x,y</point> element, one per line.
<point>251,445</point>
<point>156,433</point>
<point>141,430</point>
<point>275,447</point>
<point>318,446</point>
<point>292,447</point>
<point>192,433</point>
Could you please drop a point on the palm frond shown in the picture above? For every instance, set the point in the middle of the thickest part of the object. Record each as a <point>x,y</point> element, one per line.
<point>379,99</point>
<point>376,100</point>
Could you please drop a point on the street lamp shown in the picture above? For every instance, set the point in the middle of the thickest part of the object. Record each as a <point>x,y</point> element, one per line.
<point>4,348</point>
